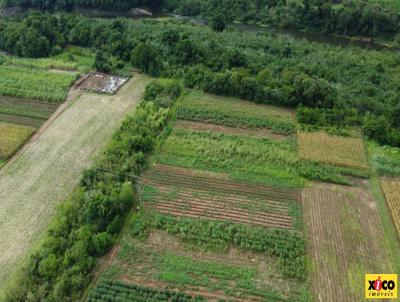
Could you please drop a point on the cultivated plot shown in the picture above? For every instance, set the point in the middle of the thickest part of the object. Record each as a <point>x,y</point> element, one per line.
<point>391,188</point>
<point>50,168</point>
<point>237,113</point>
<point>332,150</point>
<point>164,262</point>
<point>188,193</point>
<point>12,136</point>
<point>345,240</point>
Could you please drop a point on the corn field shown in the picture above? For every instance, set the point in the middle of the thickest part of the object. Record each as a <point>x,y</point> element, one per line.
<point>391,188</point>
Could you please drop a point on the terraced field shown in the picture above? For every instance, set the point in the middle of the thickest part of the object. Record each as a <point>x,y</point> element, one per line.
<point>12,137</point>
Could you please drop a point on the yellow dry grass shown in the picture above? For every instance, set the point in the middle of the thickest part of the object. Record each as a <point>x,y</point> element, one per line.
<point>391,188</point>
<point>332,150</point>
<point>12,136</point>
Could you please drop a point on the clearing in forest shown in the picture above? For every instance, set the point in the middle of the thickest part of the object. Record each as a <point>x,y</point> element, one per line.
<point>49,169</point>
<point>391,188</point>
<point>332,150</point>
<point>188,193</point>
<point>12,137</point>
<point>345,240</point>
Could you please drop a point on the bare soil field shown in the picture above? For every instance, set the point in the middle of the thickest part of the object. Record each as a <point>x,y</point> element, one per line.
<point>49,169</point>
<point>345,240</point>
<point>199,126</point>
<point>180,192</point>
<point>102,83</point>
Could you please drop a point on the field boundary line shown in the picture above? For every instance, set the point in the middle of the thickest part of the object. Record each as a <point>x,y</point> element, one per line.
<point>73,94</point>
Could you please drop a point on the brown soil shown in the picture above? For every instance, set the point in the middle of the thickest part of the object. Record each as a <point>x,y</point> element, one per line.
<point>103,83</point>
<point>199,126</point>
<point>345,240</point>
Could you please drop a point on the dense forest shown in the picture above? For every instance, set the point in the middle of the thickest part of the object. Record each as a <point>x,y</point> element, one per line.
<point>70,4</point>
<point>331,86</point>
<point>350,17</point>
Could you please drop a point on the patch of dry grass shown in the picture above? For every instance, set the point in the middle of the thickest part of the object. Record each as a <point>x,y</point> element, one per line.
<point>391,188</point>
<point>332,150</point>
<point>12,136</point>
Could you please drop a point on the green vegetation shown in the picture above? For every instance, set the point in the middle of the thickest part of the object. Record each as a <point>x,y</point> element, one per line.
<point>385,160</point>
<point>235,113</point>
<point>35,84</point>
<point>113,291</point>
<point>352,85</point>
<point>353,17</point>
<point>266,161</point>
<point>287,246</point>
<point>87,223</point>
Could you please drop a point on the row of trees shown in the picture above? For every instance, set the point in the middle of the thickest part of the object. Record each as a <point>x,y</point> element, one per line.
<point>71,4</point>
<point>255,66</point>
<point>350,17</point>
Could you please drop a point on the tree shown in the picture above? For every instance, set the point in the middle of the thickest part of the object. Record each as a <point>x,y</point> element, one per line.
<point>146,59</point>
<point>102,62</point>
<point>218,23</point>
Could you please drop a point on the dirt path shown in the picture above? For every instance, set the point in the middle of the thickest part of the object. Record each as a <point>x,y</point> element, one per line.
<point>48,168</point>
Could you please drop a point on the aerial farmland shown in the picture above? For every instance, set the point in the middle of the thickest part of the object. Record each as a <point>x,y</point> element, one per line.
<point>246,152</point>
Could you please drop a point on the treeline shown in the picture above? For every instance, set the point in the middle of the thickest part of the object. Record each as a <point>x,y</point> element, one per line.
<point>351,17</point>
<point>71,4</point>
<point>337,87</point>
<point>88,223</point>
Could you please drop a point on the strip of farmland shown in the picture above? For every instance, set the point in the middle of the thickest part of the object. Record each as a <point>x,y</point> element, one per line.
<point>345,241</point>
<point>180,192</point>
<point>201,126</point>
<point>49,169</point>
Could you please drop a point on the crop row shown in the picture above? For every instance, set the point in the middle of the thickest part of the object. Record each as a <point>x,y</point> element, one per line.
<point>220,118</point>
<point>12,137</point>
<point>170,175</point>
<point>208,127</point>
<point>391,189</point>
<point>114,291</point>
<point>34,83</point>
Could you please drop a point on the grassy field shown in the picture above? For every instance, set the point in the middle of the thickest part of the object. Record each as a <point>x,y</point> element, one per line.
<point>12,137</point>
<point>49,169</point>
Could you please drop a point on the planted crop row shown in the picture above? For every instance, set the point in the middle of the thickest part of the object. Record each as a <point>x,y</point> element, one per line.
<point>34,83</point>
<point>228,119</point>
<point>26,108</point>
<point>391,188</point>
<point>287,246</point>
<point>332,150</point>
<point>269,162</point>
<point>114,291</point>
<point>182,177</point>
